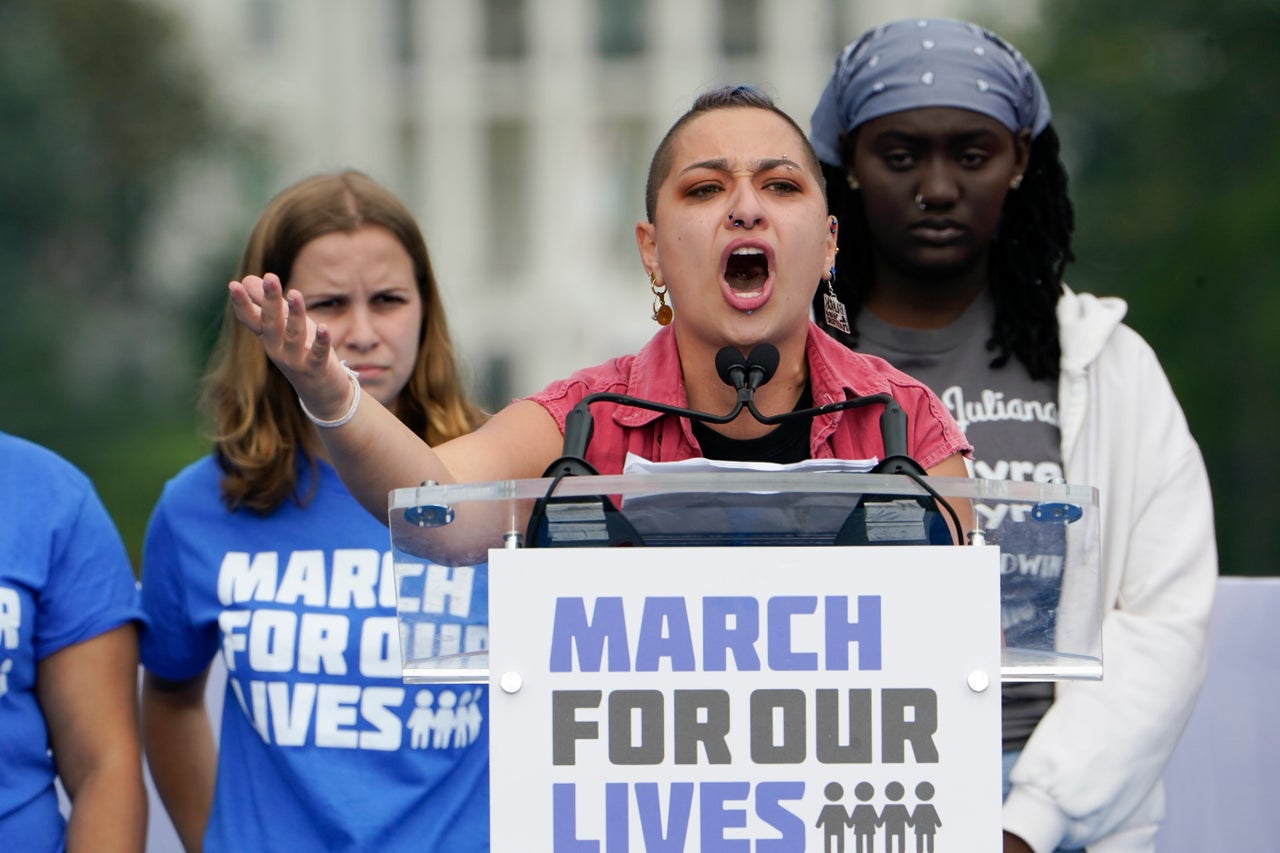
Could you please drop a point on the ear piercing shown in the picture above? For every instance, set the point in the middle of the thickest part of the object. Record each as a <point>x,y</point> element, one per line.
<point>662,312</point>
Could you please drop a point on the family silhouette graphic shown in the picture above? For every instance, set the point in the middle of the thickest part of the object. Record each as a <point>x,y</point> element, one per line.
<point>455,722</point>
<point>866,822</point>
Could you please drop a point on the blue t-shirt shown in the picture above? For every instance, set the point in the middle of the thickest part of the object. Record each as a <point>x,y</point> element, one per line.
<point>64,578</point>
<point>322,745</point>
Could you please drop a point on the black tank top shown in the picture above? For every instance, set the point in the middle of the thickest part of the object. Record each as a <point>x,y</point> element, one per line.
<point>788,442</point>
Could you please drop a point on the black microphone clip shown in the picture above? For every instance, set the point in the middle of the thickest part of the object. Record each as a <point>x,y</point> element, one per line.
<point>746,374</point>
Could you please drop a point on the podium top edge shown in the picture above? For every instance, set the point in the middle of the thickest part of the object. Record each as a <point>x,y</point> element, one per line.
<point>634,485</point>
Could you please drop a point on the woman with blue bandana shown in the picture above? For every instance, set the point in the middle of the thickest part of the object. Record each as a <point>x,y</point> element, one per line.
<point>955,229</point>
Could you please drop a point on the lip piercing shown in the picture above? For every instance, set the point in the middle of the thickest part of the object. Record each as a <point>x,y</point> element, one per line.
<point>921,203</point>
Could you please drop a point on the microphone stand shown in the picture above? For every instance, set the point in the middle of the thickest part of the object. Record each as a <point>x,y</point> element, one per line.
<point>746,376</point>
<point>893,432</point>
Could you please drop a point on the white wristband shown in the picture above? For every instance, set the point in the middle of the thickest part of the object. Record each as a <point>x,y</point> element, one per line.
<point>351,410</point>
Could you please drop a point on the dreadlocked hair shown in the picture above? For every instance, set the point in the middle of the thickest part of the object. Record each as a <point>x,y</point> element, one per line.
<point>1028,258</point>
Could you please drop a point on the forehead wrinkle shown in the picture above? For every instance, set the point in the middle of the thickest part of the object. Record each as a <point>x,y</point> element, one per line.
<point>720,164</point>
<point>778,163</point>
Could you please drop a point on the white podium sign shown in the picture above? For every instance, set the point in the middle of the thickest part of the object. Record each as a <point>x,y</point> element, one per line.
<point>745,699</point>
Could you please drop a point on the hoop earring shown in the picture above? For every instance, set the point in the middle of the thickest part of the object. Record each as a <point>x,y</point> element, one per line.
<point>662,312</point>
<point>833,309</point>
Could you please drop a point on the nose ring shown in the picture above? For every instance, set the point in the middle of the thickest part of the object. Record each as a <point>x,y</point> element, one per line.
<point>737,223</point>
<point>921,203</point>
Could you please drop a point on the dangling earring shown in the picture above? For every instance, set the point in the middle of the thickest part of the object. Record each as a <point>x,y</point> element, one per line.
<point>833,308</point>
<point>661,310</point>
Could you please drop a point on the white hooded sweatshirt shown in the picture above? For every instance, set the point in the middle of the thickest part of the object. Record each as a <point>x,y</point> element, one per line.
<point>1090,776</point>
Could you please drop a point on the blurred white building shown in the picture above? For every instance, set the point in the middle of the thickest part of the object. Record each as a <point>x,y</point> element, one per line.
<point>519,132</point>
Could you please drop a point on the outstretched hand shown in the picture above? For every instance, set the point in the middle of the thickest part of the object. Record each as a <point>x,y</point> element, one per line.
<point>300,347</point>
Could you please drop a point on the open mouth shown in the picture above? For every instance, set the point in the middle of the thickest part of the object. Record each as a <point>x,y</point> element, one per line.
<point>747,269</point>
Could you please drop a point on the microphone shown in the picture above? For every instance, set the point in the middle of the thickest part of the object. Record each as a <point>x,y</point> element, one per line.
<point>759,368</point>
<point>762,363</point>
<point>731,367</point>
<point>746,375</point>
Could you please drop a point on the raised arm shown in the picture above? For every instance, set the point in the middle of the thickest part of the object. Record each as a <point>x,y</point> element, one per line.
<point>372,450</point>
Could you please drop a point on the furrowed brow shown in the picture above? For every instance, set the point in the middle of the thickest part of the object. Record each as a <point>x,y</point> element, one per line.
<point>717,165</point>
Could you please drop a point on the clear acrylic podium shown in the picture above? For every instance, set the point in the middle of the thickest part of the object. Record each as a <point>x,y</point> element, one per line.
<point>442,536</point>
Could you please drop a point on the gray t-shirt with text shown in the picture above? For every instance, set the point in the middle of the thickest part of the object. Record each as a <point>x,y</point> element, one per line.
<point>1012,422</point>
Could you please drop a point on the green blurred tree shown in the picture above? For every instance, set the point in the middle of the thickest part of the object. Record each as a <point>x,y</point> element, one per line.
<point>1170,126</point>
<point>100,108</point>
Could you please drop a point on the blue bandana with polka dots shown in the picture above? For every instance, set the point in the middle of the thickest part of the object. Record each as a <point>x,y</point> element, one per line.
<point>927,62</point>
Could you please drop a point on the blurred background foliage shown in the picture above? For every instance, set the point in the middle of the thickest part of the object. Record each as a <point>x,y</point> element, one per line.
<point>1170,131</point>
<point>1172,138</point>
<point>99,110</point>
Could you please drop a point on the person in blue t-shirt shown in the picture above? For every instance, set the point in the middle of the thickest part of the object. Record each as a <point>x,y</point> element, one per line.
<point>68,662</point>
<point>258,554</point>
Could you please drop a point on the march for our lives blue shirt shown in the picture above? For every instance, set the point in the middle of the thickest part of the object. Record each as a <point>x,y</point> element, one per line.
<point>322,744</point>
<point>64,578</point>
